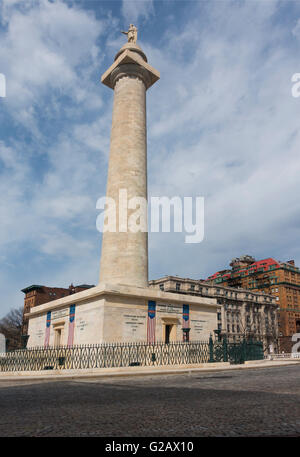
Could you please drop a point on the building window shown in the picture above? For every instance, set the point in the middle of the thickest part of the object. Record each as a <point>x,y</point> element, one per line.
<point>178,286</point>
<point>161,286</point>
<point>219,316</point>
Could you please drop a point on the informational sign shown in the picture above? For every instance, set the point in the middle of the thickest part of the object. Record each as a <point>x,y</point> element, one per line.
<point>168,308</point>
<point>58,314</point>
<point>134,325</point>
<point>81,324</point>
<point>198,325</point>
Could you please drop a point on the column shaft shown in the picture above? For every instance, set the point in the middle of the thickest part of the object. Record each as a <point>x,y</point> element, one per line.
<point>124,257</point>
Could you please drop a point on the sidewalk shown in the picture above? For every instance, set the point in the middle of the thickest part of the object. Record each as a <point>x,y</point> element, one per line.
<point>139,371</point>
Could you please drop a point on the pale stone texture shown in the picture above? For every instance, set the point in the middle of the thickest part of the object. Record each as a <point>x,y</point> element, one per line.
<point>2,344</point>
<point>115,313</point>
<point>124,257</point>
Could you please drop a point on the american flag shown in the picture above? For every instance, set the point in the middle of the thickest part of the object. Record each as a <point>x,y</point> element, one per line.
<point>47,334</point>
<point>71,325</point>
<point>185,318</point>
<point>151,322</point>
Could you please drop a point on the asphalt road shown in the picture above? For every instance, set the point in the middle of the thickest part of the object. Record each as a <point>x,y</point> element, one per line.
<point>254,402</point>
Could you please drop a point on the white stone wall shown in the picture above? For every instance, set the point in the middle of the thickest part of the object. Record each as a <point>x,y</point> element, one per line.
<point>119,314</point>
<point>121,320</point>
<point>88,325</point>
<point>125,319</point>
<point>36,331</point>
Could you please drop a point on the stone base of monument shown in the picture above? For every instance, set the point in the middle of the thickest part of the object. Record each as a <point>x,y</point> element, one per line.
<point>119,313</point>
<point>2,344</point>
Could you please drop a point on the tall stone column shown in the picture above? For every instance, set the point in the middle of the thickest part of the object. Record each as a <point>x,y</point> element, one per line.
<point>124,257</point>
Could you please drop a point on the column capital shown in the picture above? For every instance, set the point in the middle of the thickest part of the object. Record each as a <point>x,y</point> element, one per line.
<point>130,64</point>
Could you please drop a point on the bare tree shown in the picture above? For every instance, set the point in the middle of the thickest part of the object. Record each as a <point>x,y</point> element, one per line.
<point>11,327</point>
<point>249,329</point>
<point>246,326</point>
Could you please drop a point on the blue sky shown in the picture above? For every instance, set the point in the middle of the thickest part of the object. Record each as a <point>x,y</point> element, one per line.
<point>222,124</point>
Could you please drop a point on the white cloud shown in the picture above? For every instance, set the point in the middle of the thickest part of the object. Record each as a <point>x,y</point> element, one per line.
<point>50,180</point>
<point>133,10</point>
<point>49,46</point>
<point>221,123</point>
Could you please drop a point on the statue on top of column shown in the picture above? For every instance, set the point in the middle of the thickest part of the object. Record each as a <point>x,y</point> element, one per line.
<point>131,34</point>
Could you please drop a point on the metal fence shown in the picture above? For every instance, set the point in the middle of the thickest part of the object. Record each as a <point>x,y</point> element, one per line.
<point>235,352</point>
<point>129,354</point>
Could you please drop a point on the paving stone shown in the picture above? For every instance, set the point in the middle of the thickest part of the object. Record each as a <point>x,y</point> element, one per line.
<point>258,402</point>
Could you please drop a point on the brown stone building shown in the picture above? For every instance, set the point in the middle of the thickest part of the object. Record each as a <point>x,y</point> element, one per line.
<point>36,295</point>
<point>242,314</point>
<point>280,279</point>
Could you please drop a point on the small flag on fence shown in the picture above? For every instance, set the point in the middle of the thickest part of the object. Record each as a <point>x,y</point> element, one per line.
<point>47,334</point>
<point>71,325</point>
<point>185,320</point>
<point>151,322</point>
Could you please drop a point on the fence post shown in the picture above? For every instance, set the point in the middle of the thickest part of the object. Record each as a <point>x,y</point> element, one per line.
<point>225,351</point>
<point>244,351</point>
<point>211,349</point>
<point>261,351</point>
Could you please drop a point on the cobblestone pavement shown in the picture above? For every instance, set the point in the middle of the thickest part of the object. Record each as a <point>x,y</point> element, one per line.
<point>254,402</point>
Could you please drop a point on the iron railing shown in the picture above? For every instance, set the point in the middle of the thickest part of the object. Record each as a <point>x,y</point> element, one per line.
<point>235,352</point>
<point>112,355</point>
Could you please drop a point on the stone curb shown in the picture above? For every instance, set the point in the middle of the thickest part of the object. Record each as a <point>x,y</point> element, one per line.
<point>66,375</point>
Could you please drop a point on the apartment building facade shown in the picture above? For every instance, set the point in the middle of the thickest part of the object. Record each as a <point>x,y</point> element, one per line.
<point>241,314</point>
<point>276,278</point>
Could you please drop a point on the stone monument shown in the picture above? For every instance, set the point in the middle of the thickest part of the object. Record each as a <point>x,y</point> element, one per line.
<point>124,257</point>
<point>122,308</point>
<point>2,344</point>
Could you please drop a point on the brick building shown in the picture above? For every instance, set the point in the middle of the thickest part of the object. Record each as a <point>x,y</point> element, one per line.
<point>280,279</point>
<point>242,314</point>
<point>36,295</point>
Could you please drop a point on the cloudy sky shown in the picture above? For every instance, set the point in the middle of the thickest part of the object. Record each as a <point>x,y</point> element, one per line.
<point>222,123</point>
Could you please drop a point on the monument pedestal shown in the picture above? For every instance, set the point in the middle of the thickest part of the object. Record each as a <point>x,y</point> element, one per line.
<point>117,313</point>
